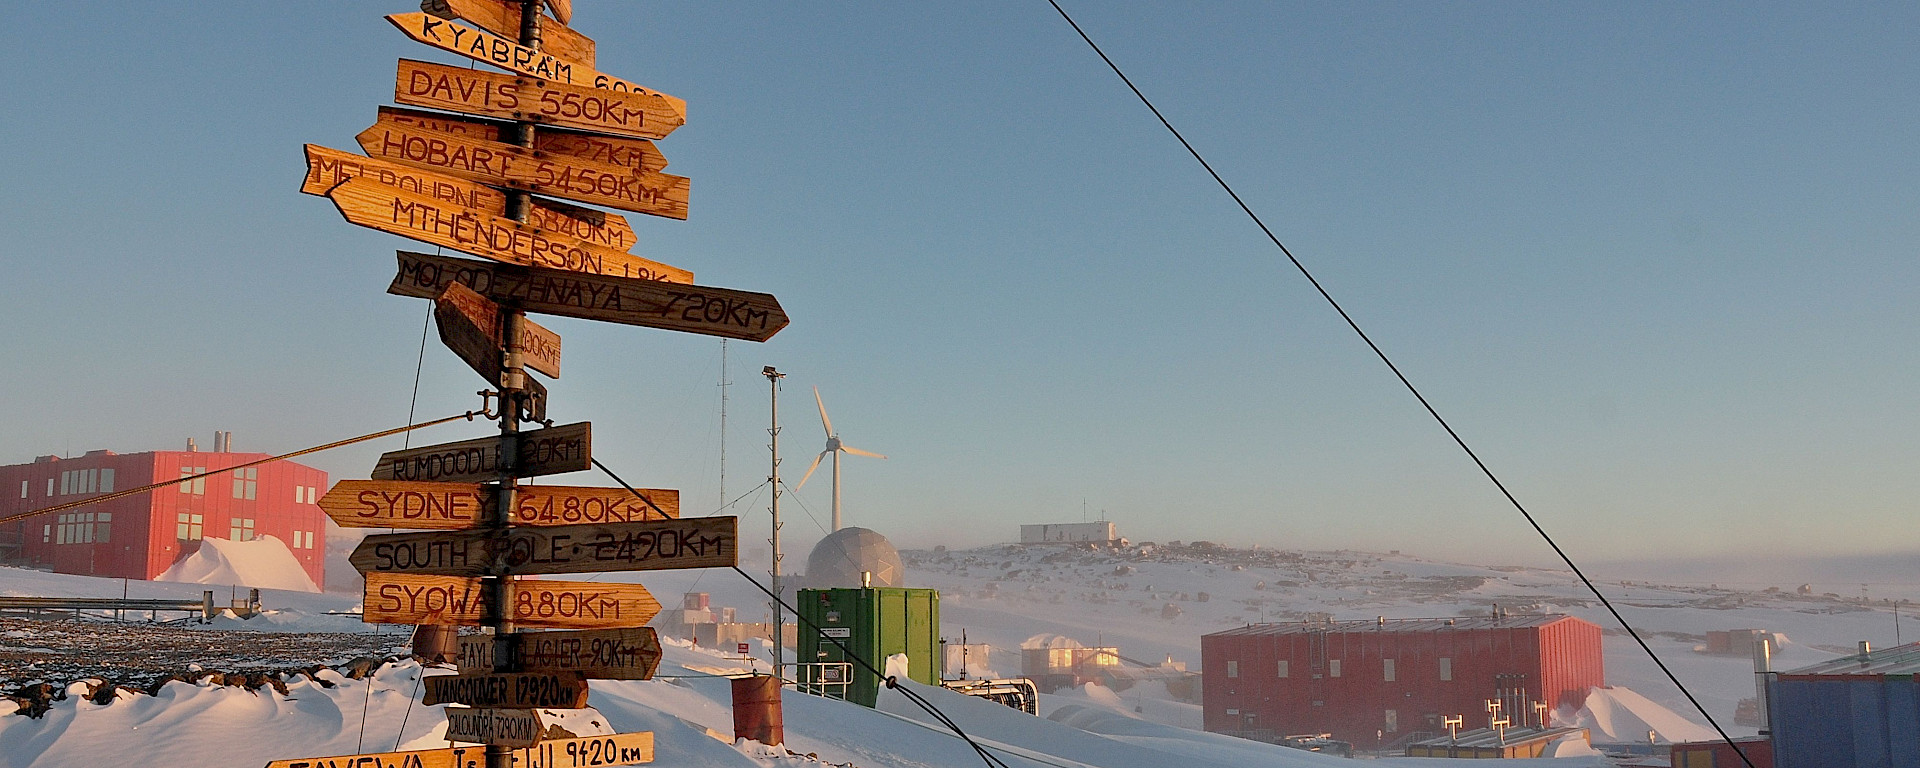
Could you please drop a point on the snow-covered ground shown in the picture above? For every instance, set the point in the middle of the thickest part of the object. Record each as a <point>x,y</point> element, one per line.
<point>999,596</point>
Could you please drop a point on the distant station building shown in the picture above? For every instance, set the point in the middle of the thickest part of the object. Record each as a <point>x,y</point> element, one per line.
<point>1385,682</point>
<point>1103,532</point>
<point>140,536</point>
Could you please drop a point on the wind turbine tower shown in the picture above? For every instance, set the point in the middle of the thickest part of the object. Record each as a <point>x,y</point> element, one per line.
<point>834,447</point>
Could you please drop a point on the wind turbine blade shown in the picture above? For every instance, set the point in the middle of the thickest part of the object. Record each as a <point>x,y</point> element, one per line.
<point>858,452</point>
<point>810,468</point>
<point>824,422</point>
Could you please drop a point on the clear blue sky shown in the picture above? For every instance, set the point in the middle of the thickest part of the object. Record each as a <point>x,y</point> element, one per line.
<point>1655,261</point>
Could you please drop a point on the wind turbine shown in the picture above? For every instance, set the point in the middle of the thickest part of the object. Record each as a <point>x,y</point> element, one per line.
<point>835,447</point>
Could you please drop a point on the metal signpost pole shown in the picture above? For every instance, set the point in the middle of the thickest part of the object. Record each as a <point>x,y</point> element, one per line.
<point>513,387</point>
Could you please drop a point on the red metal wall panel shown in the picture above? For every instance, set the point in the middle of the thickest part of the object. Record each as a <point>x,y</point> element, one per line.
<point>1555,662</point>
<point>140,538</point>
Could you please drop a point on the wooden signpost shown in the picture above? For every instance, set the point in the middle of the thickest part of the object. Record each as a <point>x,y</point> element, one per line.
<point>398,598</point>
<point>369,203</point>
<point>486,47</point>
<point>638,154</point>
<point>326,168</point>
<point>456,757</point>
<point>652,545</point>
<point>508,727</point>
<point>550,451</point>
<point>702,309</point>
<point>561,129</point>
<point>506,165</point>
<point>631,653</point>
<point>534,100</point>
<point>503,18</point>
<point>583,752</point>
<point>588,752</point>
<point>514,690</point>
<point>460,506</point>
<point>470,326</point>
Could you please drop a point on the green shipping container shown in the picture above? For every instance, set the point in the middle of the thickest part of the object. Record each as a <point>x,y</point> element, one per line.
<point>873,624</point>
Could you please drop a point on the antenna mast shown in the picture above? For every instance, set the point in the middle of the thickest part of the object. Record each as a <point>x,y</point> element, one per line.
<point>773,478</point>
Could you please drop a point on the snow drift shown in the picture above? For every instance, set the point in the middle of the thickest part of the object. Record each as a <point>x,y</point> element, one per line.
<point>265,563</point>
<point>1616,715</point>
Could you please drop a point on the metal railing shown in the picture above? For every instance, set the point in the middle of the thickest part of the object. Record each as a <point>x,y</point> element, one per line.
<point>204,608</point>
<point>826,679</point>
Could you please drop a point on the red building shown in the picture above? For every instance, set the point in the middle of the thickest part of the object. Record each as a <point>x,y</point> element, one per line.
<point>1375,683</point>
<point>140,536</point>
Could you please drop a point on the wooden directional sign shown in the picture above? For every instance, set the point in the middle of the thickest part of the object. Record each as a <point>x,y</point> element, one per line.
<point>369,203</point>
<point>574,505</point>
<point>503,18</point>
<point>533,100</point>
<point>398,598</point>
<point>638,154</point>
<point>456,757</point>
<point>631,653</point>
<point>704,310</point>
<point>326,168</point>
<point>507,165</point>
<point>653,545</point>
<point>562,10</point>
<point>535,347</point>
<point>459,506</point>
<point>470,326</point>
<point>502,727</point>
<point>584,752</point>
<point>588,751</point>
<point>550,451</point>
<point>549,690</point>
<point>483,46</point>
<point>399,504</point>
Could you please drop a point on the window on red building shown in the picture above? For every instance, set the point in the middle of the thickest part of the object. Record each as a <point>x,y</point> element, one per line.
<point>240,529</point>
<point>197,487</point>
<point>1446,668</point>
<point>1283,668</point>
<point>245,482</point>
<point>188,527</point>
